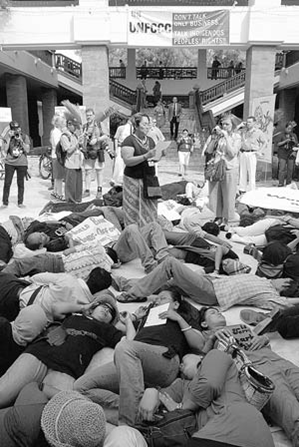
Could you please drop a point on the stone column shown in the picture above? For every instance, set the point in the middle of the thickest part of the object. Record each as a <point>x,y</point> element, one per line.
<point>260,66</point>
<point>49,101</point>
<point>16,94</point>
<point>95,79</point>
<point>201,66</point>
<point>131,65</point>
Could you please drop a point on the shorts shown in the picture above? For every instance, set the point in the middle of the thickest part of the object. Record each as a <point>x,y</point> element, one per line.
<point>93,164</point>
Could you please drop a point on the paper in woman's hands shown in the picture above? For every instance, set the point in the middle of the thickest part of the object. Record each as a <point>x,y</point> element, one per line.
<point>161,149</point>
<point>153,316</point>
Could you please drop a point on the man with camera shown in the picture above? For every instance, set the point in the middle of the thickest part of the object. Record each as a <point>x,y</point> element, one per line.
<point>253,143</point>
<point>15,149</point>
<point>94,146</point>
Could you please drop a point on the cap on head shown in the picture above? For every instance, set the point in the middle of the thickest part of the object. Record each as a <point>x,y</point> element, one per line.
<point>72,420</point>
<point>14,125</point>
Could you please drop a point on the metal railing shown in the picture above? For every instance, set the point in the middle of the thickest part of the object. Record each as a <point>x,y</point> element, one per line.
<point>64,63</point>
<point>117,72</point>
<point>223,72</point>
<point>121,92</point>
<point>167,72</point>
<point>220,89</point>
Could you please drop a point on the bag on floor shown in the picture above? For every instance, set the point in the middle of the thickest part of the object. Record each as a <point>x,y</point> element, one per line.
<point>172,430</point>
<point>215,170</point>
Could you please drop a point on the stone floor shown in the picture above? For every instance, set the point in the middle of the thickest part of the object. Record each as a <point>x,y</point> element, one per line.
<point>37,195</point>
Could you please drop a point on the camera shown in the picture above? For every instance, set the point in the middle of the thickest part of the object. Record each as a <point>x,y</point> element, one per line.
<point>17,134</point>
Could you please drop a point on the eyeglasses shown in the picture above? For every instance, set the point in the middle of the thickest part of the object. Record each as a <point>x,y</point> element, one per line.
<point>108,309</point>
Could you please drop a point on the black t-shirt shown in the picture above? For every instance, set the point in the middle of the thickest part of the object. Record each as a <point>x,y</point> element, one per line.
<point>207,263</point>
<point>168,335</point>
<point>57,241</point>
<point>85,337</point>
<point>139,170</point>
<point>9,349</point>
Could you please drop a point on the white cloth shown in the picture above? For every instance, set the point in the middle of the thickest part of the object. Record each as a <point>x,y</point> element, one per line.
<point>54,138</point>
<point>124,436</point>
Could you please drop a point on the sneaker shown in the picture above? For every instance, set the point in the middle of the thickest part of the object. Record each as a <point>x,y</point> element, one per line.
<point>21,205</point>
<point>269,324</point>
<point>86,193</point>
<point>4,206</point>
<point>252,317</point>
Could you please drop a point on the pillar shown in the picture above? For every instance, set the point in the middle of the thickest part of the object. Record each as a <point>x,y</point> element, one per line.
<point>95,79</point>
<point>131,65</point>
<point>260,68</point>
<point>287,101</point>
<point>201,66</point>
<point>260,65</point>
<point>16,94</point>
<point>33,120</point>
<point>49,101</point>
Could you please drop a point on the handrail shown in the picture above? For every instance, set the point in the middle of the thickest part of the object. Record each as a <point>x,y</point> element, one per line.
<point>166,72</point>
<point>220,89</point>
<point>117,72</point>
<point>223,72</point>
<point>68,65</point>
<point>121,92</point>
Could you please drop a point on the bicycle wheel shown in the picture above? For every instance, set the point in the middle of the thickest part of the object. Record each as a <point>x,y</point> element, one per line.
<point>45,167</point>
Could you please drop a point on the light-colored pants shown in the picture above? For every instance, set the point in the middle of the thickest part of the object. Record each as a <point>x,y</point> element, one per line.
<point>247,166</point>
<point>147,243</point>
<point>222,195</point>
<point>255,233</point>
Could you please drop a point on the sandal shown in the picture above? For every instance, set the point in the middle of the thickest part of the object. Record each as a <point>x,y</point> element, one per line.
<point>124,297</point>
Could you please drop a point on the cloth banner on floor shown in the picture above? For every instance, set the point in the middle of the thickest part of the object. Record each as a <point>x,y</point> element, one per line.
<point>94,229</point>
<point>285,199</point>
<point>263,110</point>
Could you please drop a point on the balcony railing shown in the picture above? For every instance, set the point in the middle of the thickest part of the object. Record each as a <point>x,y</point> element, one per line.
<point>167,72</point>
<point>220,89</point>
<point>223,72</point>
<point>122,92</point>
<point>63,63</point>
<point>117,72</point>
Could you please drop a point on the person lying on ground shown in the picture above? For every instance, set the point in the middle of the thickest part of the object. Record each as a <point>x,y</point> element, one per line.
<point>46,289</point>
<point>223,291</point>
<point>151,359</point>
<point>214,393</point>
<point>15,336</point>
<point>283,405</point>
<point>11,232</point>
<point>70,350</point>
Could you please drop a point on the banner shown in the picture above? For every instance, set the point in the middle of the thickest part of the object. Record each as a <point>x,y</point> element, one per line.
<point>165,29</point>
<point>94,230</point>
<point>263,110</point>
<point>204,28</point>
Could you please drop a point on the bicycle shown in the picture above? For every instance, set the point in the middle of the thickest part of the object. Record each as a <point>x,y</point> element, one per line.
<point>45,164</point>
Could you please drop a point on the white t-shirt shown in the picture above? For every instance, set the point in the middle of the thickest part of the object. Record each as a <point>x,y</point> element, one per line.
<point>54,138</point>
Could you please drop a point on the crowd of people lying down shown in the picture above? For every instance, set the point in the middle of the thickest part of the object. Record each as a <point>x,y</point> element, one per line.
<point>77,368</point>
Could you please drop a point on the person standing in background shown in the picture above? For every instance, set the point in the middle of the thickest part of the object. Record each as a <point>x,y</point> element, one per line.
<point>215,68</point>
<point>59,123</point>
<point>253,143</point>
<point>123,131</point>
<point>174,113</point>
<point>73,162</point>
<point>287,144</point>
<point>157,92</point>
<point>185,149</point>
<point>16,149</point>
<point>122,68</point>
<point>160,114</point>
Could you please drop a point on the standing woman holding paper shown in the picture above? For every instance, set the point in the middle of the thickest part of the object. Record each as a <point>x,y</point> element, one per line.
<point>137,151</point>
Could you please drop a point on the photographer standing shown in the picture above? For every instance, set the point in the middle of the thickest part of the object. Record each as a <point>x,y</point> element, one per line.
<point>95,144</point>
<point>287,148</point>
<point>16,148</point>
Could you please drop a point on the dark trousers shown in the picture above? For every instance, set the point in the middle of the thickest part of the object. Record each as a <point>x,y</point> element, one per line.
<point>9,173</point>
<point>73,185</point>
<point>9,298</point>
<point>285,170</point>
<point>199,442</point>
<point>174,127</point>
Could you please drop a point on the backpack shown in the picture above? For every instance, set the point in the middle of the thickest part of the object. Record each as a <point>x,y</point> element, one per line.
<point>172,430</point>
<point>60,154</point>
